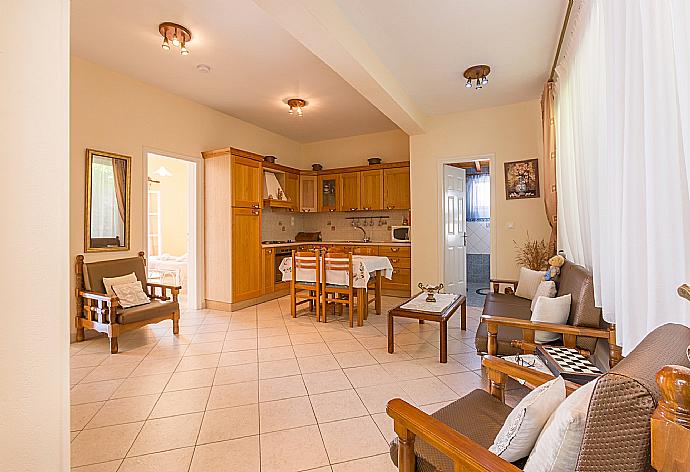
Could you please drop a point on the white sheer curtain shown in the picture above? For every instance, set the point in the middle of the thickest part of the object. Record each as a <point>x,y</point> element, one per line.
<point>623,138</point>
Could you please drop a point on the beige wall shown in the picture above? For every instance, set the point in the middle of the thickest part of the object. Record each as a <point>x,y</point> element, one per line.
<point>113,112</point>
<point>174,209</point>
<point>509,133</point>
<point>392,146</point>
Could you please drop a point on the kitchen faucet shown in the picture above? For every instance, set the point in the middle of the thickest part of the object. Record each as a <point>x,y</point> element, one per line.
<point>365,239</point>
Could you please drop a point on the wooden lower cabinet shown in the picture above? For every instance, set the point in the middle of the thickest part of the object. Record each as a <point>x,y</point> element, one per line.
<point>366,250</point>
<point>268,271</point>
<point>246,254</point>
<point>401,282</point>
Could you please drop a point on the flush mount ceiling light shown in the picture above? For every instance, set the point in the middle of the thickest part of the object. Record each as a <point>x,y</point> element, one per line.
<point>175,34</point>
<point>296,105</point>
<point>478,74</point>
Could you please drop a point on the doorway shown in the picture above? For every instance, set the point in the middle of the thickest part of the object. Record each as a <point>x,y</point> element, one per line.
<point>171,222</point>
<point>466,213</point>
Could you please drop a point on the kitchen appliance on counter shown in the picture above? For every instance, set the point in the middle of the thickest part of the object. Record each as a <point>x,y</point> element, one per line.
<point>400,234</point>
<point>304,237</point>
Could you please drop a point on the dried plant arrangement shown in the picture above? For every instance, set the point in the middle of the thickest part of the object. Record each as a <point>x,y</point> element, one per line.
<point>533,254</point>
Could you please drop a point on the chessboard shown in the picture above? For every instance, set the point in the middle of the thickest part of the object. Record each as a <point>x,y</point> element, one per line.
<point>568,363</point>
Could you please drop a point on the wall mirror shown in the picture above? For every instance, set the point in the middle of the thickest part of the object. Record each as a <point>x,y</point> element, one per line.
<point>106,213</point>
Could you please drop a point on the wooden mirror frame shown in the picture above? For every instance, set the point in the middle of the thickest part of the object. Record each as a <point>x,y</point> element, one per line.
<point>90,153</point>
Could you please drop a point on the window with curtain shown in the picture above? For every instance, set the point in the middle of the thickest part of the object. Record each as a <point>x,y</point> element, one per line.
<point>478,199</point>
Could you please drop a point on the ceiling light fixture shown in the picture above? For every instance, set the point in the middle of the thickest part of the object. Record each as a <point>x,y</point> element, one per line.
<point>176,34</point>
<point>296,105</point>
<point>477,73</point>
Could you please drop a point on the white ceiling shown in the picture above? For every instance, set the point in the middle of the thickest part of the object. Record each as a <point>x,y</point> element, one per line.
<point>427,44</point>
<point>255,63</point>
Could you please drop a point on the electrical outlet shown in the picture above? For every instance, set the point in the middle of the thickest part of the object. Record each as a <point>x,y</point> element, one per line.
<point>284,228</point>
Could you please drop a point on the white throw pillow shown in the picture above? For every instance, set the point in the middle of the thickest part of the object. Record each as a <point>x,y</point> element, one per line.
<point>550,310</point>
<point>529,282</point>
<point>521,429</point>
<point>108,282</point>
<point>546,289</point>
<point>131,294</point>
<point>559,443</point>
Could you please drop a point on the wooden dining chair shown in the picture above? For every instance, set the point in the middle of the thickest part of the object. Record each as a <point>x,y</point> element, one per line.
<point>338,268</point>
<point>307,267</point>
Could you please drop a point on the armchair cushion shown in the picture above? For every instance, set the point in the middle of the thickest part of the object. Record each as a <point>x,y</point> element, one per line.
<point>501,304</point>
<point>131,294</point>
<point>478,415</point>
<point>550,310</point>
<point>146,312</point>
<point>529,282</point>
<point>95,272</point>
<point>578,282</point>
<point>110,282</point>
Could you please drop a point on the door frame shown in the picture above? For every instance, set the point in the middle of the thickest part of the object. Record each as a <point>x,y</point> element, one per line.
<point>196,216</point>
<point>492,213</point>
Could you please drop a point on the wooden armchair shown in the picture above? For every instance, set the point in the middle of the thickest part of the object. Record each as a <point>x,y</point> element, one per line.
<point>617,427</point>
<point>102,313</point>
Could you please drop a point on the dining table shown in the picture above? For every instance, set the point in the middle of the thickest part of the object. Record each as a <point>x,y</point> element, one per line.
<point>364,269</point>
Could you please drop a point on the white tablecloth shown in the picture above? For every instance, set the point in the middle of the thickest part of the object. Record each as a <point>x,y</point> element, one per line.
<point>419,302</point>
<point>362,268</point>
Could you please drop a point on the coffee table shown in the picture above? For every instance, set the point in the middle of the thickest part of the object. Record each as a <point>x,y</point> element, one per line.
<point>441,317</point>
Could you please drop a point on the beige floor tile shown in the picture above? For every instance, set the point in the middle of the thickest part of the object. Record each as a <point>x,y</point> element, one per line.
<point>240,344</point>
<point>282,368</point>
<point>276,353</point>
<point>236,373</point>
<point>309,350</point>
<point>385,424</point>
<point>191,379</point>
<point>338,405</point>
<point>462,383</point>
<point>229,423</point>
<point>110,466</point>
<point>167,433</point>
<point>113,443</point>
<point>181,402</point>
<point>383,356</point>
<point>240,334</point>
<point>470,360</point>
<point>145,385</point>
<point>77,374</point>
<point>176,460</point>
<point>406,370</point>
<point>426,391</point>
<point>435,367</point>
<point>286,414</point>
<point>123,410</point>
<point>305,338</point>
<point>353,438</point>
<point>208,337</point>
<point>368,375</point>
<point>309,365</point>
<point>354,359</point>
<point>203,361</point>
<point>162,351</point>
<point>90,360</point>
<point>156,366</point>
<point>376,398</point>
<point>329,381</point>
<point>93,391</point>
<point>271,332</point>
<point>434,407</point>
<point>238,357</point>
<point>380,463</point>
<point>347,345</point>
<point>280,388</point>
<point>236,394</point>
<point>81,414</point>
<point>273,341</point>
<point>237,455</point>
<point>420,351</point>
<point>292,450</point>
<point>332,335</point>
<point>204,348</point>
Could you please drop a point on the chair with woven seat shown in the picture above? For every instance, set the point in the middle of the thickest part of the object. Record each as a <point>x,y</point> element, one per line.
<point>616,434</point>
<point>336,281</point>
<point>102,312</point>
<point>306,281</point>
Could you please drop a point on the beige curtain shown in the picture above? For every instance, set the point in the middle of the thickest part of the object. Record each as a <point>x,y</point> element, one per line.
<point>550,194</point>
<point>120,173</point>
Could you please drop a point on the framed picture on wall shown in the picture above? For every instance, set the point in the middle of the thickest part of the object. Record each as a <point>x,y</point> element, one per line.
<point>522,179</point>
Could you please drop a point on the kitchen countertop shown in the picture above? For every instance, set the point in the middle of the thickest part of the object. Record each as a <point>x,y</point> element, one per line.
<point>340,243</point>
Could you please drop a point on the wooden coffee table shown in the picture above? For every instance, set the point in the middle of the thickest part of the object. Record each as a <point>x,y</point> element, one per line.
<point>439,317</point>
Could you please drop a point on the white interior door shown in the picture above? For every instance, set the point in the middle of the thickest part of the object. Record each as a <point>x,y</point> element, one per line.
<point>455,239</point>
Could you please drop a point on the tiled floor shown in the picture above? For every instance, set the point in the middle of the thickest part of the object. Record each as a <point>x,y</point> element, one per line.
<point>256,390</point>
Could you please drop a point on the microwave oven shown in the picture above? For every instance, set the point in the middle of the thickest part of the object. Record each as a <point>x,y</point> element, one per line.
<point>400,233</point>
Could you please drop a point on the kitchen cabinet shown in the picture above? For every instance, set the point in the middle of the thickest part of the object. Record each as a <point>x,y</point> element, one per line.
<point>349,191</point>
<point>366,250</point>
<point>292,190</point>
<point>246,182</point>
<point>308,200</point>
<point>329,192</point>
<point>371,190</point>
<point>268,271</point>
<point>246,254</point>
<point>396,188</point>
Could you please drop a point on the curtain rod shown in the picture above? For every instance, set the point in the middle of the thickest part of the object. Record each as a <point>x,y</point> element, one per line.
<point>560,39</point>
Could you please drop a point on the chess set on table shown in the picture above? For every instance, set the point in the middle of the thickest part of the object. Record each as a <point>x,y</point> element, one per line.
<point>568,363</point>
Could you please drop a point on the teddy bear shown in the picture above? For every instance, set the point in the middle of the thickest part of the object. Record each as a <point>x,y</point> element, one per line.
<point>554,270</point>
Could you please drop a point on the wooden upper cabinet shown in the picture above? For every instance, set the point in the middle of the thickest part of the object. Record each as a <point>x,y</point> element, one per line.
<point>328,192</point>
<point>371,190</point>
<point>308,201</point>
<point>291,189</point>
<point>246,254</point>
<point>246,182</point>
<point>396,188</point>
<point>349,191</point>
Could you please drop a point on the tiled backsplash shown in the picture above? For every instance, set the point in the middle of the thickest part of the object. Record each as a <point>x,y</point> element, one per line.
<point>334,226</point>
